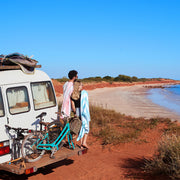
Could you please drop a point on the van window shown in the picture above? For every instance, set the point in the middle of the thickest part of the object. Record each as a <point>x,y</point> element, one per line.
<point>43,95</point>
<point>18,100</point>
<point>1,105</point>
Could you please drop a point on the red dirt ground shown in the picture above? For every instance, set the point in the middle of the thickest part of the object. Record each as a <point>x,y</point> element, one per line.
<point>123,161</point>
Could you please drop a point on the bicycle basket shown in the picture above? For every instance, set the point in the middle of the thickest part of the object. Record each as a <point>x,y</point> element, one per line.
<point>54,131</point>
<point>75,125</point>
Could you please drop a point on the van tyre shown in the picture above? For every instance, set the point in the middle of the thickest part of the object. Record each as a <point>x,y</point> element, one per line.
<point>29,150</point>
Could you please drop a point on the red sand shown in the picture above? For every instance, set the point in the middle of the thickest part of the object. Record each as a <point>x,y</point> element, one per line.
<point>123,161</point>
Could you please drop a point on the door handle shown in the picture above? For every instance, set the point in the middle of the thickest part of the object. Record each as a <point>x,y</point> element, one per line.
<point>7,120</point>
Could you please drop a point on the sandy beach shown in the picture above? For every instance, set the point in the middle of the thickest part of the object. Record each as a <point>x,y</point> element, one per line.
<point>129,100</point>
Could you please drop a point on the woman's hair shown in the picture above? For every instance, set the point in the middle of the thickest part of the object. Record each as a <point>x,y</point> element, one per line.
<point>76,92</point>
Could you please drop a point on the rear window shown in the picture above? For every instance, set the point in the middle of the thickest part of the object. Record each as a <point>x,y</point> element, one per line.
<point>18,100</point>
<point>43,95</point>
<point>1,105</point>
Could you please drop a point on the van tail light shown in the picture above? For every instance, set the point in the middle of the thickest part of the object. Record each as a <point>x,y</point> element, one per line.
<point>4,148</point>
<point>30,170</point>
<point>81,152</point>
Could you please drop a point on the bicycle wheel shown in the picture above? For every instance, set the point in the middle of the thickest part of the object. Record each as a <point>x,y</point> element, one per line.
<point>29,150</point>
<point>54,130</point>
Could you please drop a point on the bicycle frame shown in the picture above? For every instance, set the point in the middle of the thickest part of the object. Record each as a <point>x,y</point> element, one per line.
<point>16,146</point>
<point>49,146</point>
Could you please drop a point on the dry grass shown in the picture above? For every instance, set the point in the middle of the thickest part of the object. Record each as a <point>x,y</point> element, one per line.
<point>167,159</point>
<point>173,128</point>
<point>114,128</point>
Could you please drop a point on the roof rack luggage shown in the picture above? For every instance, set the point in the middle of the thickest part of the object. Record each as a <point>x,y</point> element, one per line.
<point>18,61</point>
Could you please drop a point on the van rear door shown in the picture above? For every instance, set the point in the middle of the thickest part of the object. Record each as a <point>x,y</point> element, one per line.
<point>25,101</point>
<point>44,99</point>
<point>18,105</point>
<point>4,139</point>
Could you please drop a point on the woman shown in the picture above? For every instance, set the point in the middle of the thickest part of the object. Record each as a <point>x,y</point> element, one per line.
<point>80,106</point>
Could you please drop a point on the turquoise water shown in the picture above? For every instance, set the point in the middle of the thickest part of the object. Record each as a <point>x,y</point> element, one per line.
<point>168,97</point>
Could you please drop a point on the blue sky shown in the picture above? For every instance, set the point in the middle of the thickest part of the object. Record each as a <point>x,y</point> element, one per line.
<point>96,37</point>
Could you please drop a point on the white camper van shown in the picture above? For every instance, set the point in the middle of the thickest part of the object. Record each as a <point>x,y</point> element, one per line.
<point>22,98</point>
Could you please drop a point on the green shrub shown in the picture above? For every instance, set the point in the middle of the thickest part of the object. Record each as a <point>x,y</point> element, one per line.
<point>167,159</point>
<point>107,78</point>
<point>134,79</point>
<point>64,79</point>
<point>92,79</point>
<point>123,78</point>
<point>119,78</point>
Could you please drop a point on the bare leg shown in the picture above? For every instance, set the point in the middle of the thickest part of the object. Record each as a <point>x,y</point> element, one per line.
<point>84,141</point>
<point>81,142</point>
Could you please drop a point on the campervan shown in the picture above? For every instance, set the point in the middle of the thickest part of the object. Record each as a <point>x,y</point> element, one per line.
<point>22,98</point>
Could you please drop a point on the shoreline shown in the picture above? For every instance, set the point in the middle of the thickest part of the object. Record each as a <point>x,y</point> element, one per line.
<point>58,86</point>
<point>130,100</point>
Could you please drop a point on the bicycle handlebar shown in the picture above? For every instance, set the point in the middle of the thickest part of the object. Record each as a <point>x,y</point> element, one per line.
<point>41,115</point>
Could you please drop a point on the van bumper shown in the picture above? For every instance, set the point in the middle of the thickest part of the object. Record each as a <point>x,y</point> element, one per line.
<point>21,167</point>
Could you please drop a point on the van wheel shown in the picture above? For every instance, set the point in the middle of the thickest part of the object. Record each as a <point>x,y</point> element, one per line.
<point>29,150</point>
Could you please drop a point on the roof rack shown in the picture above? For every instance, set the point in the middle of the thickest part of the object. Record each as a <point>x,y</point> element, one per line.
<point>2,67</point>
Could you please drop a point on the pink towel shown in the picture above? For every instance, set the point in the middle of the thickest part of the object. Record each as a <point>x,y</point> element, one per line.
<point>66,106</point>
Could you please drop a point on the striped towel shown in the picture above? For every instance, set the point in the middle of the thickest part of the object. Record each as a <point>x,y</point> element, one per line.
<point>66,106</point>
<point>85,115</point>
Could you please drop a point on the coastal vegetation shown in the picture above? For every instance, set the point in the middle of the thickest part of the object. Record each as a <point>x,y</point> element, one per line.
<point>119,78</point>
<point>114,128</point>
<point>167,159</point>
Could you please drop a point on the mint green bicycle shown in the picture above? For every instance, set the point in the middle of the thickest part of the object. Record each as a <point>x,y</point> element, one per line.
<point>51,139</point>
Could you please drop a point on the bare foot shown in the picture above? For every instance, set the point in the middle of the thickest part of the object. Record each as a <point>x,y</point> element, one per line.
<point>85,146</point>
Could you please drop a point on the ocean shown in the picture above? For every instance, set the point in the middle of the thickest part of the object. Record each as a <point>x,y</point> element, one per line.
<point>168,97</point>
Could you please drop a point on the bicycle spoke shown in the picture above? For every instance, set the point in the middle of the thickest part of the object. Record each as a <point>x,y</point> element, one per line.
<point>29,147</point>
